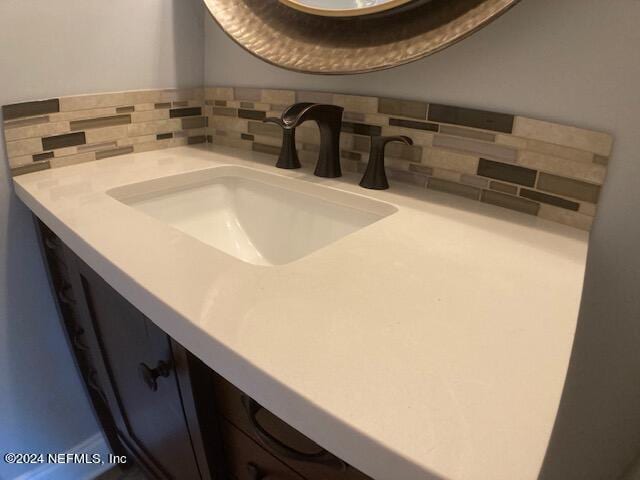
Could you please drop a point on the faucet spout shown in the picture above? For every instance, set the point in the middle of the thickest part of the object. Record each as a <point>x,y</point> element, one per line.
<point>329,121</point>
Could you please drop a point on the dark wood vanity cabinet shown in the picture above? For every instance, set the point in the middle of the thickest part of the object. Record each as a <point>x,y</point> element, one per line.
<point>160,405</point>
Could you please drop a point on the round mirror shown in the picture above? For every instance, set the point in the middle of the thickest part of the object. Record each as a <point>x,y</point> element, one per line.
<point>350,36</point>
<point>344,8</point>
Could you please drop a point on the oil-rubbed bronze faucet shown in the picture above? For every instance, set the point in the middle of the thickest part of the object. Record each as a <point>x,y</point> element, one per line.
<point>329,120</point>
<point>375,177</point>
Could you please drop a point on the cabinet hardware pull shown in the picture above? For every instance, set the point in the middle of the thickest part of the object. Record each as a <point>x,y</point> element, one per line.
<point>150,375</point>
<point>322,457</point>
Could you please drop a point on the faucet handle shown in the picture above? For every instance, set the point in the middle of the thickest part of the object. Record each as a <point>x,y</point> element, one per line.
<point>288,154</point>
<point>374,176</point>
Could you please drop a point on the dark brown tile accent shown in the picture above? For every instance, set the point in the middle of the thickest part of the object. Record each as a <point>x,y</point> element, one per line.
<point>455,188</point>
<point>182,103</point>
<point>209,138</point>
<point>194,122</point>
<point>224,111</point>
<point>100,122</point>
<point>246,105</point>
<point>252,114</point>
<point>164,136</point>
<point>128,109</point>
<point>497,122</point>
<point>246,136</point>
<point>261,147</point>
<point>350,155</point>
<point>33,167</point>
<point>197,139</point>
<point>62,141</point>
<point>185,112</point>
<point>42,156</point>
<point>404,108</point>
<point>569,188</point>
<point>29,109</point>
<point>162,105</point>
<point>550,199</point>
<point>504,188</point>
<point>115,152</point>
<point>423,169</point>
<point>220,103</point>
<point>361,128</point>
<point>398,122</point>
<point>601,160</point>
<point>513,203</point>
<point>268,129</point>
<point>506,172</point>
<point>26,122</point>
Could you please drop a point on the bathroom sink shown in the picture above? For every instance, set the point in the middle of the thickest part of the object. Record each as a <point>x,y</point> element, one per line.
<point>257,217</point>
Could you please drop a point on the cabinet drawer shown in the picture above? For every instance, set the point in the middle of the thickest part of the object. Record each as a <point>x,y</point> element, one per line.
<point>248,461</point>
<point>280,439</point>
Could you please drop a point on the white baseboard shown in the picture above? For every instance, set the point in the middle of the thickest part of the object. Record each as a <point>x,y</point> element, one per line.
<point>73,471</point>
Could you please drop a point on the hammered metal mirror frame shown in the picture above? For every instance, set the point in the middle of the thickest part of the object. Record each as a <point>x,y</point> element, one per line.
<point>298,41</point>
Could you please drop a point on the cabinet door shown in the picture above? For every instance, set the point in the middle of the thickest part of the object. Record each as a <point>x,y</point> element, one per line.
<point>143,389</point>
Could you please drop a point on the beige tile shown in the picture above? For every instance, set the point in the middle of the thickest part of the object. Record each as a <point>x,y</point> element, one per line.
<point>581,139</point>
<point>150,146</point>
<point>24,122</point>
<point>444,174</point>
<point>114,152</point>
<point>150,115</point>
<point>85,102</point>
<point>266,140</point>
<point>230,124</point>
<point>511,141</point>
<point>314,97</point>
<point>24,147</point>
<point>247,94</point>
<point>33,131</point>
<point>448,160</point>
<point>83,114</point>
<point>94,147</point>
<point>219,93</point>
<point>15,162</point>
<point>73,159</point>
<point>158,126</point>
<point>467,133</point>
<point>422,169</point>
<point>284,97</point>
<point>99,135</point>
<point>354,103</point>
<point>100,122</point>
<point>589,172</point>
<point>417,179</point>
<point>566,217</point>
<point>309,134</point>
<point>546,148</point>
<point>232,142</point>
<point>588,209</point>
<point>122,142</point>
<point>179,95</point>
<point>483,149</point>
<point>454,188</point>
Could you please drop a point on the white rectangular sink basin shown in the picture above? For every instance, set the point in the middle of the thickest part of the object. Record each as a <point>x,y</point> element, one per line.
<point>257,217</point>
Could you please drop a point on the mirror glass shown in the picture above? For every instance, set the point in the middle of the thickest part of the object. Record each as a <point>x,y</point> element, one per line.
<point>344,8</point>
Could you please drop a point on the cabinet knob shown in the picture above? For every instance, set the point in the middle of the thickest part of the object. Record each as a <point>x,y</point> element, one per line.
<point>150,375</point>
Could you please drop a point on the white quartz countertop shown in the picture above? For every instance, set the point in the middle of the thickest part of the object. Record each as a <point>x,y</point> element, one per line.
<point>432,344</point>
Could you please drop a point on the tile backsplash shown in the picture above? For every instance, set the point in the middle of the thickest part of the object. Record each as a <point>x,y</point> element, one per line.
<point>539,168</point>
<point>69,130</point>
<point>550,170</point>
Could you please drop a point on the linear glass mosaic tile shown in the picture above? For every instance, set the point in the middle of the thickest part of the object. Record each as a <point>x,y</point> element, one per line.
<point>529,165</point>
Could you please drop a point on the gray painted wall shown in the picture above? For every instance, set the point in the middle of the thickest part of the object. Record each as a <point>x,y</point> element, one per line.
<point>47,49</point>
<point>569,61</point>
